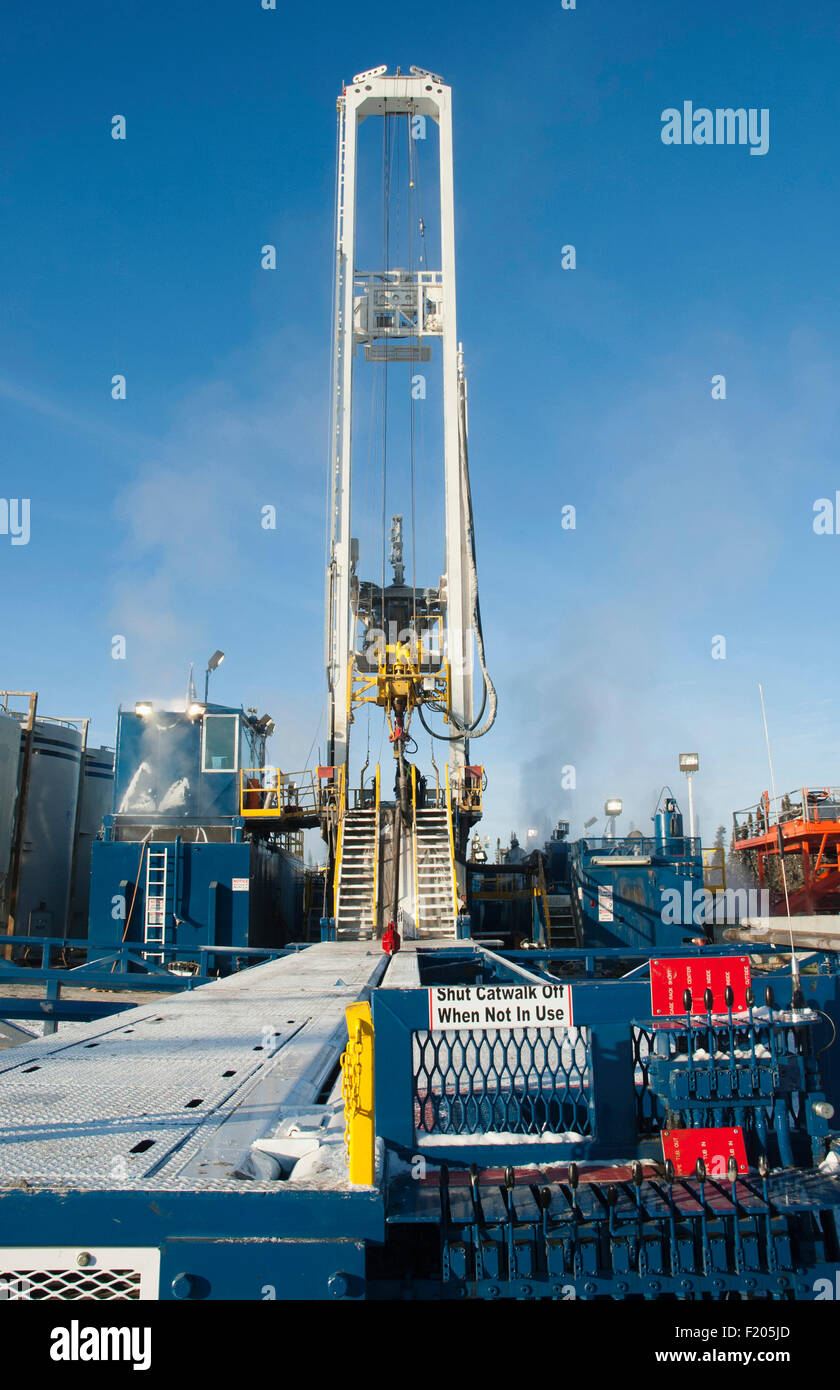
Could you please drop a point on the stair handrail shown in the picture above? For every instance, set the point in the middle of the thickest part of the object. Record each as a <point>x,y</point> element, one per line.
<point>414,845</point>
<point>541,891</point>
<point>339,839</point>
<point>375,904</point>
<point>451,848</point>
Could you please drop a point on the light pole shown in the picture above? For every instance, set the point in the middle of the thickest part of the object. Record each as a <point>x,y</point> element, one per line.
<point>612,808</point>
<point>216,660</point>
<point>689,764</point>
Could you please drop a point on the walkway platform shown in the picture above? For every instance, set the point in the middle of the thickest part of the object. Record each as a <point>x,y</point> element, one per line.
<point>172,1094</point>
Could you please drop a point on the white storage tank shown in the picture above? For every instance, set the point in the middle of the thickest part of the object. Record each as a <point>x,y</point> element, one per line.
<point>97,801</point>
<point>49,829</point>
<point>9,759</point>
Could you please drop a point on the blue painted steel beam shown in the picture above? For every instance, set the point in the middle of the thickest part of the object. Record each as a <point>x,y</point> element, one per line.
<point>62,1010</point>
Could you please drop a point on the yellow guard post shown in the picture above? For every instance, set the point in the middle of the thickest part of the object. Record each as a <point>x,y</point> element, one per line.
<point>357,1091</point>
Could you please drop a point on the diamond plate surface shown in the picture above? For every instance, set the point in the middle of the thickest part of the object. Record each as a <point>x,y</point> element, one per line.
<point>132,1101</point>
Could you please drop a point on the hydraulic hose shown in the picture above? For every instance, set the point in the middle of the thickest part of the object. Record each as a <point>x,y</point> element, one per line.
<point>476,729</point>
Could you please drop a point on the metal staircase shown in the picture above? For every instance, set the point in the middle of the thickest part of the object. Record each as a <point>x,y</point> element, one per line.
<point>357,879</point>
<point>561,927</point>
<point>434,870</point>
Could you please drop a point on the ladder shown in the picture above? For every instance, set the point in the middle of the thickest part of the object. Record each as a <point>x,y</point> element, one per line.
<point>561,927</point>
<point>157,920</point>
<point>357,878</point>
<point>435,899</point>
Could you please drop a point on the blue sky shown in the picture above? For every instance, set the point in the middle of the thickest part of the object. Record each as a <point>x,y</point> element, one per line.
<point>589,387</point>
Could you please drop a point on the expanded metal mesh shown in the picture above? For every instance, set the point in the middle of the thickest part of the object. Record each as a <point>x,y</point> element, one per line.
<point>37,1284</point>
<point>531,1082</point>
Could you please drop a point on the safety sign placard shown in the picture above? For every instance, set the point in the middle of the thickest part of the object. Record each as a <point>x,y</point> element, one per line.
<point>715,1146</point>
<point>500,1006</point>
<point>669,980</point>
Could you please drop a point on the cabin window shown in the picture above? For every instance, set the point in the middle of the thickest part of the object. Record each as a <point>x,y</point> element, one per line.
<point>221,733</point>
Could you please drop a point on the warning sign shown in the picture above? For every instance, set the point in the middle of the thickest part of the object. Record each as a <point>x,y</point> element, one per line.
<point>605,904</point>
<point>669,980</point>
<point>714,1146</point>
<point>240,885</point>
<point>500,1006</point>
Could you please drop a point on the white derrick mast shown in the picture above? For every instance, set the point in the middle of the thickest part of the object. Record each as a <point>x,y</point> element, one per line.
<point>393,314</point>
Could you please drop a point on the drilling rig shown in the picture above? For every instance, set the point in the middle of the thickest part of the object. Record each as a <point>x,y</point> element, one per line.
<point>636,1116</point>
<point>393,643</point>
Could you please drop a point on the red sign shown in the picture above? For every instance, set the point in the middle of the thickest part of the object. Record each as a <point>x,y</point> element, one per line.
<point>669,980</point>
<point>714,1146</point>
<point>322,773</point>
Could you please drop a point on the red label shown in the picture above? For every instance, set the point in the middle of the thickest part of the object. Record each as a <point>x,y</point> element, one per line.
<point>324,772</point>
<point>669,979</point>
<point>714,1146</point>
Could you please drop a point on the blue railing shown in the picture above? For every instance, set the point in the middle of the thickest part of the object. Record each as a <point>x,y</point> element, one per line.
<point>639,846</point>
<point>108,967</point>
<point>600,1088</point>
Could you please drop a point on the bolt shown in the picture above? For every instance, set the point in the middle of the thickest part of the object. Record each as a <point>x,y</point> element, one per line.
<point>183,1285</point>
<point>338,1284</point>
<point>655,1285</point>
<point>84,1259</point>
<point>590,1288</point>
<point>525,1290</point>
<point>492,1292</point>
<point>621,1286</point>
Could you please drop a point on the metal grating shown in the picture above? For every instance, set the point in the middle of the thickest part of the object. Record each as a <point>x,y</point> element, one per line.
<point>537,1081</point>
<point>37,1284</point>
<point>68,1116</point>
<point>58,1273</point>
